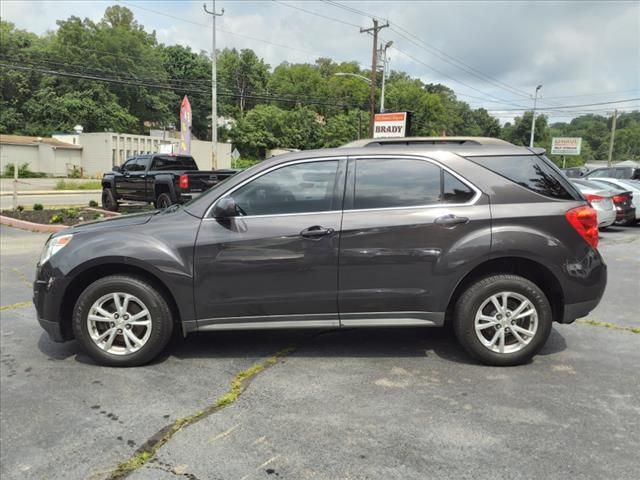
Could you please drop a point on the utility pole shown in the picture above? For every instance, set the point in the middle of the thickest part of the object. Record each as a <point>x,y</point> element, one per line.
<point>613,136</point>
<point>533,120</point>
<point>374,67</point>
<point>385,61</point>
<point>214,85</point>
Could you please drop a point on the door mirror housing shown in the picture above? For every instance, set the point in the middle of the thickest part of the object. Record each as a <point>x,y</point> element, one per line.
<point>225,208</point>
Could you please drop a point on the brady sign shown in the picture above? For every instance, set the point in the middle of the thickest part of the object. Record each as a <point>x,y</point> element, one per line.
<point>566,145</point>
<point>390,125</point>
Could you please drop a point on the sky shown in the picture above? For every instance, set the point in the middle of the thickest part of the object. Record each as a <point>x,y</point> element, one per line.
<point>493,54</point>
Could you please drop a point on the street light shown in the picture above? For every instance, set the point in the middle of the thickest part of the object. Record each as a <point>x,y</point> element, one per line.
<point>384,72</point>
<point>361,77</point>
<point>533,120</point>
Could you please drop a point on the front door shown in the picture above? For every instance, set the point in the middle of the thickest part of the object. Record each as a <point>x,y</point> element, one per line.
<point>276,263</point>
<point>409,228</point>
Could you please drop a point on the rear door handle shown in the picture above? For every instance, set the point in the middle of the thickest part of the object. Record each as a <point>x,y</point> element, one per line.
<point>450,221</point>
<point>316,232</point>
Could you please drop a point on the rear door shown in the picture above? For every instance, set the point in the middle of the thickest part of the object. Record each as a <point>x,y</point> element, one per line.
<point>409,228</point>
<point>276,263</point>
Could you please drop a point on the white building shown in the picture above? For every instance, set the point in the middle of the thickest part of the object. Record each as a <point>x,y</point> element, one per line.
<point>102,150</point>
<point>47,155</point>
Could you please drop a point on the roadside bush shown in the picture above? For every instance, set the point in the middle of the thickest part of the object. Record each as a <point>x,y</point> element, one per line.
<point>56,219</point>
<point>20,208</point>
<point>93,204</point>
<point>244,163</point>
<point>69,212</point>
<point>37,206</point>
<point>98,216</point>
<point>76,172</point>
<point>23,171</point>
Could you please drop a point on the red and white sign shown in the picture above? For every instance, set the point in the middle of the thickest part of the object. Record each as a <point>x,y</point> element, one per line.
<point>387,125</point>
<point>566,145</point>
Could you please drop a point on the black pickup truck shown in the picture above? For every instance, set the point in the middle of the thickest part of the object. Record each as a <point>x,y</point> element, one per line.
<point>160,178</point>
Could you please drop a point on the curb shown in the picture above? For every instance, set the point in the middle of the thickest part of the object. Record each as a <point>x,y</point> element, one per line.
<point>26,193</point>
<point>33,227</point>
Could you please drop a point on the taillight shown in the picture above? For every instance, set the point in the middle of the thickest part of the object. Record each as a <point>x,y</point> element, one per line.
<point>619,198</point>
<point>184,181</point>
<point>585,221</point>
<point>593,198</point>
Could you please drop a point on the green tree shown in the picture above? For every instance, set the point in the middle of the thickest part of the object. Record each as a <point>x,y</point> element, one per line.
<point>241,74</point>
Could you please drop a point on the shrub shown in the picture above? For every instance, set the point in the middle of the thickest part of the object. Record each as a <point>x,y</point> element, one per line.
<point>23,171</point>
<point>76,172</point>
<point>69,212</point>
<point>37,206</point>
<point>56,219</point>
<point>62,184</point>
<point>20,208</point>
<point>93,204</point>
<point>97,216</point>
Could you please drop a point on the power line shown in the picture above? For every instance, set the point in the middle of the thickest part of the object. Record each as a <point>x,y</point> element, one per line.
<point>316,14</point>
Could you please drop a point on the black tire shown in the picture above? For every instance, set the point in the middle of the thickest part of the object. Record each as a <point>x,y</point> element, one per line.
<point>109,201</point>
<point>473,298</point>
<point>163,201</point>
<point>160,313</point>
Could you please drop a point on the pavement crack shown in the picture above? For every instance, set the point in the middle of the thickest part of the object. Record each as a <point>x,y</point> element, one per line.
<point>239,384</point>
<point>15,306</point>
<point>613,326</point>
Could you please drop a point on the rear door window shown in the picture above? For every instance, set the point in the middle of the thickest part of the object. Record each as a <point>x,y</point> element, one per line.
<point>386,183</point>
<point>405,182</point>
<point>531,172</point>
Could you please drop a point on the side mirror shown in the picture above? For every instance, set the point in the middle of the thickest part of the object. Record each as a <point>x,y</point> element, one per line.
<point>116,168</point>
<point>225,208</point>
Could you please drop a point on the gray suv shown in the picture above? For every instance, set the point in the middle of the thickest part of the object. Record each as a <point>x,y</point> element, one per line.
<point>483,235</point>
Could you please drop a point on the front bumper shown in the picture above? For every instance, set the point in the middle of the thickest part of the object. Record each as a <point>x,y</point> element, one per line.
<point>47,298</point>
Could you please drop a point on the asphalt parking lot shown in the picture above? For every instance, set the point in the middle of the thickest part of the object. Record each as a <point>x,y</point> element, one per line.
<point>353,404</point>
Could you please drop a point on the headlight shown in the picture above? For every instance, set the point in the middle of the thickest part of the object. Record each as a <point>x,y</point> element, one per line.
<point>53,246</point>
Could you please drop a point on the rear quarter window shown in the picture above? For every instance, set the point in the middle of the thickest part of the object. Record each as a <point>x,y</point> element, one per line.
<point>531,172</point>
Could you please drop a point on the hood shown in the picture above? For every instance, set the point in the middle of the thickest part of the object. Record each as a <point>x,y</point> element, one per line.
<point>114,222</point>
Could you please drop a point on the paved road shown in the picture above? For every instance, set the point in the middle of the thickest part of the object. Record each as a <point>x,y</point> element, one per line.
<point>356,404</point>
<point>70,199</point>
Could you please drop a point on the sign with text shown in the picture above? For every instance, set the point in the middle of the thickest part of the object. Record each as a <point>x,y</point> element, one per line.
<point>387,125</point>
<point>566,145</point>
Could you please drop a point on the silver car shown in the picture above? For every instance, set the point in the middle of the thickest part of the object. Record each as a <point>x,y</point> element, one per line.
<point>601,199</point>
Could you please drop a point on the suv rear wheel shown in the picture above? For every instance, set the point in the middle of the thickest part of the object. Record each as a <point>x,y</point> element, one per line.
<point>503,320</point>
<point>122,321</point>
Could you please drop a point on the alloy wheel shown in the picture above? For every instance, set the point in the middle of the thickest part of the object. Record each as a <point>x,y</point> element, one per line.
<point>506,322</point>
<point>119,323</point>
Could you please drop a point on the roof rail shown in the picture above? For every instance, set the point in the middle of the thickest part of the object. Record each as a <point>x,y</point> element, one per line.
<point>424,141</point>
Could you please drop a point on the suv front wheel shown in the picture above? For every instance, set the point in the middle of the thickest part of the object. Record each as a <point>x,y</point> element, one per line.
<point>122,321</point>
<point>503,320</point>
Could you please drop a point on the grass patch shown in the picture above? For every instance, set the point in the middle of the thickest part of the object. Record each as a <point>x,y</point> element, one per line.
<point>15,306</point>
<point>238,385</point>
<point>612,326</point>
<point>63,184</point>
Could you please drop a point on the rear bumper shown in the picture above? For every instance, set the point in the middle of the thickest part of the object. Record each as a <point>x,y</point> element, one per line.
<point>573,311</point>
<point>625,215</point>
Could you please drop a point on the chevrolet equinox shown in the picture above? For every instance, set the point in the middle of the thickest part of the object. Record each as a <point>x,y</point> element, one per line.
<point>477,233</point>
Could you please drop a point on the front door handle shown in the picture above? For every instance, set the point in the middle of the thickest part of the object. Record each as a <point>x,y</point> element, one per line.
<point>450,221</point>
<point>316,232</point>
